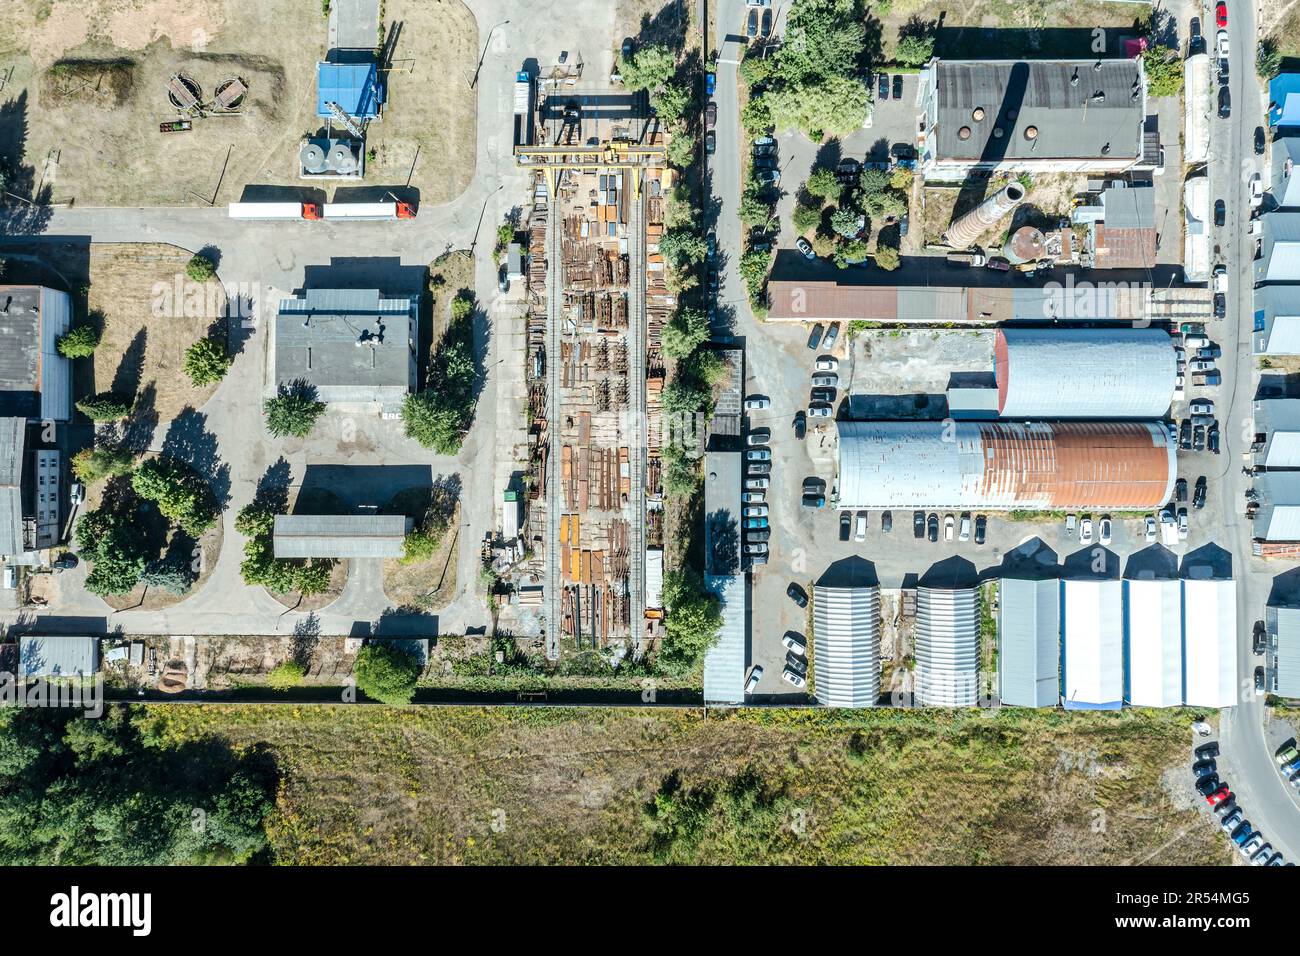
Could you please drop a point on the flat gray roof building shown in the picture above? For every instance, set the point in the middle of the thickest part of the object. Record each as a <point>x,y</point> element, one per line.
<point>12,431</point>
<point>35,380</point>
<point>1059,115</point>
<point>354,346</point>
<point>57,656</point>
<point>1285,181</point>
<point>1285,654</point>
<point>1029,642</point>
<point>1279,249</point>
<point>724,661</point>
<point>1277,320</point>
<point>340,536</point>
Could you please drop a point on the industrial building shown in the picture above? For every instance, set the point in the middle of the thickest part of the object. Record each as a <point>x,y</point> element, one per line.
<point>1197,230</point>
<point>1283,660</point>
<point>1119,466</point>
<point>355,347</point>
<point>1084,373</point>
<point>1153,674</point>
<point>1029,642</point>
<point>1277,428</point>
<point>1210,642</point>
<point>1284,101</point>
<point>946,648</point>
<point>1092,662</point>
<point>35,380</point>
<point>1124,236</point>
<point>846,645</point>
<point>1277,320</point>
<point>1036,116</point>
<point>1278,516</point>
<point>41,656</point>
<point>357,88</point>
<point>30,482</point>
<point>1284,182</point>
<point>340,536</point>
<point>724,661</point>
<point>836,300</point>
<point>1279,248</point>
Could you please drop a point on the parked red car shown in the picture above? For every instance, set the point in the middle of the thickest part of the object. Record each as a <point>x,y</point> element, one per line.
<point>1221,14</point>
<point>1214,799</point>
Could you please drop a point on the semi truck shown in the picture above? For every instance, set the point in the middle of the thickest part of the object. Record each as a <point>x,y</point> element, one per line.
<point>329,210</point>
<point>274,210</point>
<point>971,259</point>
<point>368,210</point>
<point>523,109</point>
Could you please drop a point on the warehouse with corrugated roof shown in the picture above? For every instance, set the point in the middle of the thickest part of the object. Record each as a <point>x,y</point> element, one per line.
<point>1084,373</point>
<point>1029,642</point>
<point>1118,466</point>
<point>1154,642</point>
<point>1210,642</point>
<point>946,648</point>
<point>1092,662</point>
<point>846,645</point>
<point>340,536</point>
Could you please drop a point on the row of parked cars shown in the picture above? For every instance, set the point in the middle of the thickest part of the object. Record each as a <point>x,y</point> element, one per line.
<point>929,527</point>
<point>1223,804</point>
<point>753,499</point>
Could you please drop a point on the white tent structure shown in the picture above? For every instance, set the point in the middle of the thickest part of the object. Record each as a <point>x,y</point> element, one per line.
<point>1093,672</point>
<point>1210,642</point>
<point>1155,643</point>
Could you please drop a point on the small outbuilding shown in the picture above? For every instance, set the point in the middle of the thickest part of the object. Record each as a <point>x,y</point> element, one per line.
<point>57,656</point>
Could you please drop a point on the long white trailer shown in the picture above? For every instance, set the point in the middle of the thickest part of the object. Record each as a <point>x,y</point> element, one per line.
<point>274,210</point>
<point>330,210</point>
<point>368,210</point>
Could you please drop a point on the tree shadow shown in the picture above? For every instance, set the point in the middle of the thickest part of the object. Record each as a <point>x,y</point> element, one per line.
<point>138,429</point>
<point>306,637</point>
<point>25,210</point>
<point>189,440</point>
<point>126,380</point>
<point>667,27</point>
<point>272,492</point>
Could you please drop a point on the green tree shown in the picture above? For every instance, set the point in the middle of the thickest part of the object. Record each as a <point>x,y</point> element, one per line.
<point>433,422</point>
<point>200,268</point>
<point>846,222</point>
<point>824,184</point>
<point>887,258</point>
<point>682,149</point>
<point>439,416</point>
<point>285,675</point>
<point>805,218</point>
<point>80,341</point>
<point>823,245</point>
<point>836,105</point>
<point>753,269</point>
<point>823,39</point>
<point>681,248</point>
<point>753,210</point>
<point>850,253</point>
<point>387,672</point>
<point>106,406</point>
<point>1268,58</point>
<point>872,181</point>
<point>671,102</point>
<point>647,67</point>
<point>1164,69</point>
<point>293,411</point>
<point>95,464</point>
<point>312,577</point>
<point>914,50</point>
<point>685,332</point>
<point>756,116</point>
<point>680,476</point>
<point>206,361</point>
<point>692,622</point>
<point>684,395</point>
<point>755,69</point>
<point>174,575</point>
<point>178,491</point>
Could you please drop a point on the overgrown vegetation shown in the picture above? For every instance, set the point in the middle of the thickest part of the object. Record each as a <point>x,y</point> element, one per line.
<point>439,416</point>
<point>200,268</point>
<point>387,671</point>
<point>260,565</point>
<point>108,792</point>
<point>692,623</point>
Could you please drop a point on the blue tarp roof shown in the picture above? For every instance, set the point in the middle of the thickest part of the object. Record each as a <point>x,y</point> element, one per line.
<point>1284,100</point>
<point>353,86</point>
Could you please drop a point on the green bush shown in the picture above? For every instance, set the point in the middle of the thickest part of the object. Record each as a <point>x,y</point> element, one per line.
<point>80,341</point>
<point>420,545</point>
<point>174,575</point>
<point>1268,59</point>
<point>805,218</point>
<point>914,50</point>
<point>293,412</point>
<point>1164,69</point>
<point>206,361</point>
<point>285,675</point>
<point>439,416</point>
<point>106,406</point>
<point>887,258</point>
<point>200,268</point>
<point>692,622</point>
<point>261,566</point>
<point>685,332</point>
<point>386,672</point>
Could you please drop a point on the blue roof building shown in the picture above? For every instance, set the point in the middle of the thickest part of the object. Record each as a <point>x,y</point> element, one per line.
<point>355,87</point>
<point>1284,100</point>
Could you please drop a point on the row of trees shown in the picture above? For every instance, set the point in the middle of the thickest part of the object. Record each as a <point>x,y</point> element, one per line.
<point>673,95</point>
<point>439,416</point>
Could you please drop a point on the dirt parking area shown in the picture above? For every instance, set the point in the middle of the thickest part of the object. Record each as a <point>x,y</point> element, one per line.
<point>88,89</point>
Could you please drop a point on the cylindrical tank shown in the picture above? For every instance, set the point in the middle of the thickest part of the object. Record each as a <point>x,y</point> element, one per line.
<point>1034,466</point>
<point>1026,244</point>
<point>968,228</point>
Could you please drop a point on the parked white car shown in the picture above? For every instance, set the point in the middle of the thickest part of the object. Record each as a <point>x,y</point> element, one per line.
<point>1085,530</point>
<point>755,676</point>
<point>1151,530</point>
<point>793,677</point>
<point>1222,38</point>
<point>1221,276</point>
<point>1256,191</point>
<point>1104,530</point>
<point>827,363</point>
<point>793,645</point>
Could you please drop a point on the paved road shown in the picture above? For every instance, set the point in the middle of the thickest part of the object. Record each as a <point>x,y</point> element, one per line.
<point>1247,756</point>
<point>262,261</point>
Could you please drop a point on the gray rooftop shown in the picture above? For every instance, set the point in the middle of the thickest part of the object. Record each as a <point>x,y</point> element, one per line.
<point>724,661</point>
<point>353,345</point>
<point>1288,651</point>
<point>1130,207</point>
<point>57,656</point>
<point>1279,259</point>
<point>1058,99</point>
<point>340,536</point>
<point>12,433</point>
<point>1029,642</point>
<point>35,381</point>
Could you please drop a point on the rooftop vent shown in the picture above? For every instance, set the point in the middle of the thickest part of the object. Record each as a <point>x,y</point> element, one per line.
<point>1096,67</point>
<point>1105,150</point>
<point>1031,132</point>
<point>963,133</point>
<point>1012,114</point>
<point>977,113</point>
<point>1074,79</point>
<point>997,132</point>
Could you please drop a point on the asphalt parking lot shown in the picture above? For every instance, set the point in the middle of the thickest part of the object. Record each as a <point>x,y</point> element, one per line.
<point>884,374</point>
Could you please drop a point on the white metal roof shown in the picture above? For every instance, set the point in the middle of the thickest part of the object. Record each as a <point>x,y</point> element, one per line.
<point>724,661</point>
<point>1279,259</point>
<point>1210,642</point>
<point>654,577</point>
<point>947,647</point>
<point>1093,675</point>
<point>1155,643</point>
<point>40,656</point>
<point>1029,642</point>
<point>1086,373</point>
<point>340,536</point>
<point>1279,515</point>
<point>846,645</point>
<point>1284,183</point>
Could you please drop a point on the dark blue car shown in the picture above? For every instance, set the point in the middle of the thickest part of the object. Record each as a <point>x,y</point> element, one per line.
<point>709,80</point>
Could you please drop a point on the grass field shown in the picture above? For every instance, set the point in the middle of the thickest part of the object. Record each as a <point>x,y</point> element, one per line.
<point>471,785</point>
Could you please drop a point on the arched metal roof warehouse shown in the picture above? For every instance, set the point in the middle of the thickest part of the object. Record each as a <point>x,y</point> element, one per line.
<point>846,641</point>
<point>1084,373</point>
<point>1120,466</point>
